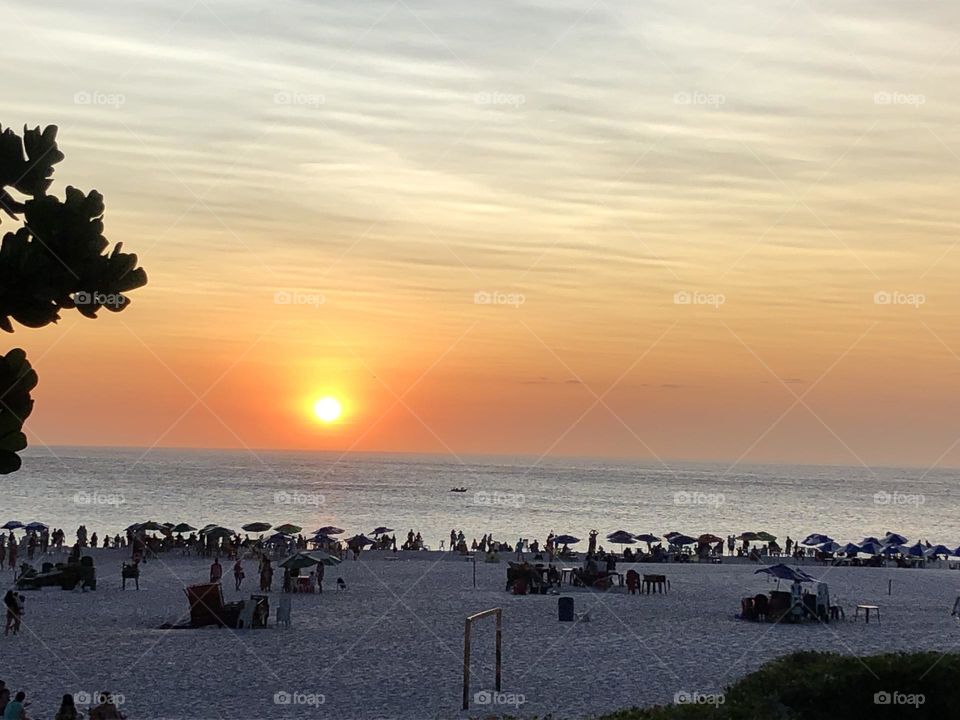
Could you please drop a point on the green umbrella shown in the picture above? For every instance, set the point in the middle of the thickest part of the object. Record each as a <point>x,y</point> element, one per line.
<point>183,527</point>
<point>257,527</point>
<point>288,529</point>
<point>323,558</point>
<point>301,560</point>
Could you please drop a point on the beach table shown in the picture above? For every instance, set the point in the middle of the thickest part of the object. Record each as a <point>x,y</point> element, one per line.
<point>867,609</point>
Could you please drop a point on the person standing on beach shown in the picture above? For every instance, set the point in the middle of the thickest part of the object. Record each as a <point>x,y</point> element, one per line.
<point>12,556</point>
<point>68,709</point>
<point>731,544</point>
<point>216,570</point>
<point>12,605</point>
<point>238,573</point>
<point>4,697</point>
<point>266,576</point>
<point>321,569</point>
<point>15,708</point>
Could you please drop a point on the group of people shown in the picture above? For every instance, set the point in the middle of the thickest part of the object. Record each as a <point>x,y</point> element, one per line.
<point>104,707</point>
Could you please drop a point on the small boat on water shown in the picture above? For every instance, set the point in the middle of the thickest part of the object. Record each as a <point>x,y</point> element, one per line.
<point>459,489</point>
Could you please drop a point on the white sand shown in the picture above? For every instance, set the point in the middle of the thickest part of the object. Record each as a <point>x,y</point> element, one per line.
<point>391,645</point>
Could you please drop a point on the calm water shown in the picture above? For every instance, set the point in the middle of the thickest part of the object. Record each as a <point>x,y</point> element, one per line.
<point>107,489</point>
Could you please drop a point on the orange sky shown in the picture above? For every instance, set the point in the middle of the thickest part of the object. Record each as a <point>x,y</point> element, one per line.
<point>788,168</point>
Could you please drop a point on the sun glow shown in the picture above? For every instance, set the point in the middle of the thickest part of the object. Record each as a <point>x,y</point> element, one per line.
<point>327,409</point>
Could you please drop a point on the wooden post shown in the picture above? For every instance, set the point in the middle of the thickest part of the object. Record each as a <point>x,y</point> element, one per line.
<point>499,646</point>
<point>889,587</point>
<point>468,623</point>
<point>466,664</point>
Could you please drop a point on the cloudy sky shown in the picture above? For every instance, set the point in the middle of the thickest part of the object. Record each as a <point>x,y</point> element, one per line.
<point>650,229</point>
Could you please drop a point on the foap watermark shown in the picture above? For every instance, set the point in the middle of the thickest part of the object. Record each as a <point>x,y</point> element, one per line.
<point>487,697</point>
<point>895,297</point>
<point>499,499</point>
<point>96,497</point>
<point>502,99</point>
<point>285,497</point>
<point>282,697</point>
<point>83,697</point>
<point>696,97</point>
<point>898,698</point>
<point>299,99</point>
<point>85,298</point>
<point>691,498</point>
<point>899,98</point>
<point>102,99</point>
<point>695,697</point>
<point>898,498</point>
<point>297,297</point>
<point>484,297</point>
<point>686,297</point>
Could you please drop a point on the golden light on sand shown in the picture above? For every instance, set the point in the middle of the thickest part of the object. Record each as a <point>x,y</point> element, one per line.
<point>327,409</point>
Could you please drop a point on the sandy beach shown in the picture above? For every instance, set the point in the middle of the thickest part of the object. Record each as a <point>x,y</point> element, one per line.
<point>390,645</point>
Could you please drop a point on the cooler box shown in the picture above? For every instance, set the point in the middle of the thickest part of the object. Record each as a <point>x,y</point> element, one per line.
<point>565,608</point>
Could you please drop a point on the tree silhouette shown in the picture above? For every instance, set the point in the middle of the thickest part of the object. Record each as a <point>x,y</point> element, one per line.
<point>56,260</point>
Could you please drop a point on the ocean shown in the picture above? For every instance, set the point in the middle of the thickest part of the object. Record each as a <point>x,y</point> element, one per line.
<point>109,488</point>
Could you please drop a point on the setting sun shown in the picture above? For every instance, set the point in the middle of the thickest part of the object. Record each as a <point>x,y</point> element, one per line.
<point>327,409</point>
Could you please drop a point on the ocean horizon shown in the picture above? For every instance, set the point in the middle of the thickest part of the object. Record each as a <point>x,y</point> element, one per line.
<point>108,488</point>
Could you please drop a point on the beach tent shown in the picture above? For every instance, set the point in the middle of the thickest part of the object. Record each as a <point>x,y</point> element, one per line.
<point>329,530</point>
<point>382,530</point>
<point>256,527</point>
<point>871,548</point>
<point>288,529</point>
<point>13,525</point>
<point>850,549</point>
<point>816,539</point>
<point>35,526</point>
<point>785,572</point>
<point>894,539</point>
<point>182,528</point>
<point>565,540</point>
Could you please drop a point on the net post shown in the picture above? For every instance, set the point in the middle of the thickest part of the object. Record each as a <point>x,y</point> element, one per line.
<point>499,645</point>
<point>466,664</point>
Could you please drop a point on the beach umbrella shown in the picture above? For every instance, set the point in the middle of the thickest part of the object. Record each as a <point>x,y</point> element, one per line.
<point>850,549</point>
<point>870,539</point>
<point>182,528</point>
<point>35,526</point>
<point>359,541</point>
<point>679,539</point>
<point>766,537</point>
<point>207,528</point>
<point>151,526</point>
<point>917,550</point>
<point>894,539</point>
<point>288,529</point>
<point>298,561</point>
<point>621,537</point>
<point>382,530</point>
<point>13,525</point>
<point>829,547</point>
<point>957,551</point>
<point>220,532</point>
<point>871,548</point>
<point>748,536</point>
<point>891,550</point>
<point>647,538</point>
<point>256,527</point>
<point>565,540</point>
<point>785,572</point>
<point>816,539</point>
<point>323,558</point>
<point>709,538</point>
<point>938,550</point>
<point>322,539</point>
<point>278,539</point>
<point>329,530</point>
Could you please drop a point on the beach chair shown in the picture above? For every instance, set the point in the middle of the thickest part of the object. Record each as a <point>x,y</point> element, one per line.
<point>245,621</point>
<point>129,572</point>
<point>283,612</point>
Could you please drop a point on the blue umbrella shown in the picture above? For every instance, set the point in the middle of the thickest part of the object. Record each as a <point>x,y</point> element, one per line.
<point>870,539</point>
<point>565,540</point>
<point>679,539</point>
<point>816,539</point>
<point>785,572</point>
<point>359,541</point>
<point>850,549</point>
<point>894,539</point>
<point>891,550</point>
<point>37,526</point>
<point>382,530</point>
<point>647,538</point>
<point>938,550</point>
<point>829,547</point>
<point>621,537</point>
<point>871,548</point>
<point>12,525</point>
<point>917,550</point>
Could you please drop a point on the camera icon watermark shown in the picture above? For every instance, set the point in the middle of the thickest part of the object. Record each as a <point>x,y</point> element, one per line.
<point>82,697</point>
<point>295,297</point>
<point>696,97</point>
<point>899,98</point>
<point>102,99</point>
<point>285,497</point>
<point>686,297</point>
<point>513,100</point>
<point>695,697</point>
<point>487,697</point>
<point>898,698</point>
<point>483,297</point>
<point>95,298</point>
<point>895,297</point>
<point>900,499</point>
<point>688,498</point>
<point>283,697</point>
<point>95,497</point>
<point>499,499</point>
<point>299,99</point>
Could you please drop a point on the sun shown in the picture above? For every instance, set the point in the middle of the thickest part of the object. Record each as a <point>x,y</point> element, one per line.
<point>327,409</point>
